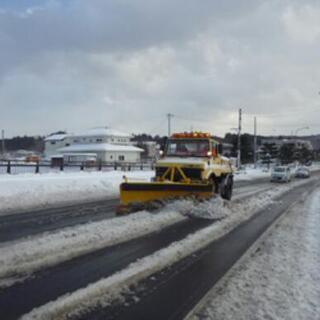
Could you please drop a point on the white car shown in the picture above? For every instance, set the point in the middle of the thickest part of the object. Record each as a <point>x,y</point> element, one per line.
<point>281,174</point>
<point>302,172</point>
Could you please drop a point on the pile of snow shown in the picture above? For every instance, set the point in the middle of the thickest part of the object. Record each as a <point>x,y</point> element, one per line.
<point>214,209</point>
<point>280,280</point>
<point>104,291</point>
<point>29,191</point>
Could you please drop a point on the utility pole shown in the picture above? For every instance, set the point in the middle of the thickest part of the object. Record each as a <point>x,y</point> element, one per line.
<point>169,115</point>
<point>3,149</point>
<point>239,140</point>
<point>255,143</point>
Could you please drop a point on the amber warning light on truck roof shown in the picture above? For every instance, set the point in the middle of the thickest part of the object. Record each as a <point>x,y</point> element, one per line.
<point>191,135</point>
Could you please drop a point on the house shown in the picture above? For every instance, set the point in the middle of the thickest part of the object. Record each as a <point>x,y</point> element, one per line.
<point>108,145</point>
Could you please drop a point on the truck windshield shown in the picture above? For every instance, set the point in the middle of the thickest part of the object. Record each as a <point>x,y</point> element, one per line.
<point>187,147</point>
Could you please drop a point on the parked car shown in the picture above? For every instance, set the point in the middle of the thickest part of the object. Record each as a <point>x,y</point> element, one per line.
<point>281,174</point>
<point>302,172</point>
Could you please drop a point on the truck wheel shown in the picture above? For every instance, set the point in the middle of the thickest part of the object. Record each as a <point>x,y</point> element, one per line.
<point>226,187</point>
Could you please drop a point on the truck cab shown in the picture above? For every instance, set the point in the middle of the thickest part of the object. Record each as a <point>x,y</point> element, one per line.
<point>198,157</point>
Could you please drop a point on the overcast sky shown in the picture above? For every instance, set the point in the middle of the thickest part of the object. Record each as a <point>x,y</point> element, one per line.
<point>126,63</point>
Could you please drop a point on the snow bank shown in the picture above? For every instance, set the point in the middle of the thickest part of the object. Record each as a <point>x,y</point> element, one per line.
<point>29,191</point>
<point>280,280</point>
<point>106,290</point>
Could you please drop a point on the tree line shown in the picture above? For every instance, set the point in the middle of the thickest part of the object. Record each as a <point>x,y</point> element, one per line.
<point>286,153</point>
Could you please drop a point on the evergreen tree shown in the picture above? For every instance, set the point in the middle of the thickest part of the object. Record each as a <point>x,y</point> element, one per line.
<point>287,153</point>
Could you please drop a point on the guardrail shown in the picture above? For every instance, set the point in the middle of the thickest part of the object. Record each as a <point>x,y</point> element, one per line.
<point>16,166</point>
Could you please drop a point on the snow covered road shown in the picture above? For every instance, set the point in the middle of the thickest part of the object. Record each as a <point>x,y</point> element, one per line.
<point>100,254</point>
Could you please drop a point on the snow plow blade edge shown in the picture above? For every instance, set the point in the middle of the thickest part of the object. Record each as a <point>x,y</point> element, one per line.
<point>141,192</point>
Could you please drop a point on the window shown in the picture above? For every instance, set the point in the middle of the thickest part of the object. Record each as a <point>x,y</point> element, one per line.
<point>99,140</point>
<point>121,158</point>
<point>111,157</point>
<point>191,148</point>
<point>67,144</point>
<point>53,142</point>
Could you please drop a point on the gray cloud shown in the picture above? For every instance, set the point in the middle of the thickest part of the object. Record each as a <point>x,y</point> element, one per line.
<point>127,63</point>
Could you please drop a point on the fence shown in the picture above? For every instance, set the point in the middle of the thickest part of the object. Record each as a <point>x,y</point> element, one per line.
<point>17,167</point>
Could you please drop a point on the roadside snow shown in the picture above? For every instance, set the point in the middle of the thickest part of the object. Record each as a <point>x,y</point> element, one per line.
<point>105,290</point>
<point>280,280</point>
<point>30,191</point>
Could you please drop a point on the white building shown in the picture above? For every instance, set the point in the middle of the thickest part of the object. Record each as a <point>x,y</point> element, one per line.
<point>107,144</point>
<point>100,135</point>
<point>53,143</point>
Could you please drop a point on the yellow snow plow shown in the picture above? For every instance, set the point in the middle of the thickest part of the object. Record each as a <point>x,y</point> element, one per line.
<point>191,166</point>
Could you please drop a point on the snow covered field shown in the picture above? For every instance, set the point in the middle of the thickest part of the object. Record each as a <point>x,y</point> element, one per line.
<point>280,279</point>
<point>29,191</point>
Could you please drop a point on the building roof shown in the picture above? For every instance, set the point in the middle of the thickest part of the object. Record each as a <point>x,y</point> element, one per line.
<point>56,137</point>
<point>94,147</point>
<point>101,131</point>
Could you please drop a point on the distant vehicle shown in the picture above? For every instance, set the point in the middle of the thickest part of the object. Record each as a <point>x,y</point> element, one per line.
<point>281,174</point>
<point>302,172</point>
<point>308,163</point>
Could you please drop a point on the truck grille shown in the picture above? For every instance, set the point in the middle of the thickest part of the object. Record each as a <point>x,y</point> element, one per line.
<point>191,173</point>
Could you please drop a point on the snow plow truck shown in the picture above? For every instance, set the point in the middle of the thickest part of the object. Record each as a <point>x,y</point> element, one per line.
<point>190,165</point>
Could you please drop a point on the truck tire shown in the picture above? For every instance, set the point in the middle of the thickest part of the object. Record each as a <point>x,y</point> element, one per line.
<point>226,187</point>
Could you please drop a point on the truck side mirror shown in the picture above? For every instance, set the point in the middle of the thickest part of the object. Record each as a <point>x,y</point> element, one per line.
<point>220,149</point>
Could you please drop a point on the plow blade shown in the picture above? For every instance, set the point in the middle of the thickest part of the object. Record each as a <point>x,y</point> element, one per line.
<point>138,193</point>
